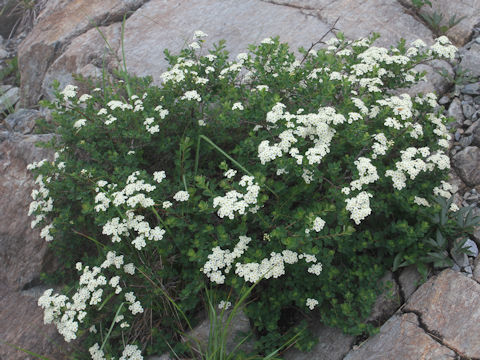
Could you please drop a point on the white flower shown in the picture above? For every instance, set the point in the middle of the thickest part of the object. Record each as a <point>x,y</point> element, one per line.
<point>267,41</point>
<point>194,45</point>
<point>199,34</point>
<point>84,98</point>
<point>129,268</point>
<point>69,91</point>
<point>79,123</point>
<point>318,224</point>
<point>224,305</point>
<point>191,95</point>
<point>166,204</point>
<point>181,196</point>
<point>237,106</point>
<point>158,176</point>
<point>311,303</point>
<point>230,173</point>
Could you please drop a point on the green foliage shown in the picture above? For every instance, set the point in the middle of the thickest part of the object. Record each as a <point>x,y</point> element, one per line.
<point>10,71</point>
<point>126,131</point>
<point>436,22</point>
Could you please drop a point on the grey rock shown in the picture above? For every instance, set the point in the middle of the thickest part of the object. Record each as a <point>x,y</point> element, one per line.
<point>472,247</point>
<point>471,59</point>
<point>3,53</point>
<point>468,269</point>
<point>9,98</point>
<point>476,269</point>
<point>388,301</point>
<point>444,100</point>
<point>401,337</point>
<point>455,111</point>
<point>239,325</point>
<point>450,306</point>
<point>467,123</point>
<point>476,100</point>
<point>468,110</point>
<point>22,120</point>
<point>471,129</point>
<point>466,140</point>
<point>455,267</point>
<point>460,259</point>
<point>333,344</point>
<point>471,89</point>
<point>457,135</point>
<point>467,163</point>
<point>409,280</point>
<point>5,88</point>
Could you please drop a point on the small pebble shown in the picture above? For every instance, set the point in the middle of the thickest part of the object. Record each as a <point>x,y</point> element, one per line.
<point>467,123</point>
<point>468,269</point>
<point>455,267</point>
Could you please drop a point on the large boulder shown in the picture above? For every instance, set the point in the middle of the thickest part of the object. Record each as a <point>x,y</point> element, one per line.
<point>23,255</point>
<point>401,337</point>
<point>50,36</point>
<point>467,164</point>
<point>449,306</point>
<point>55,49</point>
<point>22,251</point>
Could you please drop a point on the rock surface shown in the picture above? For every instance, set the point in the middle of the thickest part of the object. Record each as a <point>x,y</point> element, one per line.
<point>22,251</point>
<point>55,49</point>
<point>468,10</point>
<point>467,163</point>
<point>21,320</point>
<point>450,307</point>
<point>22,121</point>
<point>409,280</point>
<point>239,325</point>
<point>9,99</point>
<point>49,37</point>
<point>401,337</point>
<point>333,344</point>
<point>388,301</point>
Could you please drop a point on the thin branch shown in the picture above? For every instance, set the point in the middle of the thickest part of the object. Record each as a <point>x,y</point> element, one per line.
<point>332,28</point>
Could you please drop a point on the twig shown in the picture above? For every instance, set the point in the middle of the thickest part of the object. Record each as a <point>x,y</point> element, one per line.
<point>320,40</point>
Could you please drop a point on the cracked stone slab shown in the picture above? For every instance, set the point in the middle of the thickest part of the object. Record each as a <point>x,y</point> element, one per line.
<point>361,18</point>
<point>449,305</point>
<point>171,25</point>
<point>401,337</point>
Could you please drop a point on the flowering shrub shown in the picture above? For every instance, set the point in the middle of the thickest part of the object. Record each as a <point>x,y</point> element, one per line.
<point>308,176</point>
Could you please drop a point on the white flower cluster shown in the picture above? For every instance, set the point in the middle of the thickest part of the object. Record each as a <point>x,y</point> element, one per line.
<point>220,262</point>
<point>444,48</point>
<point>421,201</point>
<point>367,173</point>
<point>359,206</point>
<point>79,123</point>
<point>41,203</point>
<point>311,303</point>
<point>313,127</point>
<point>236,202</point>
<point>70,91</point>
<point>131,352</point>
<point>224,305</point>
<point>181,196</point>
<point>66,313</point>
<point>274,266</point>
<point>148,125</point>
<point>413,166</point>
<point>126,195</point>
<point>191,95</point>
